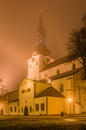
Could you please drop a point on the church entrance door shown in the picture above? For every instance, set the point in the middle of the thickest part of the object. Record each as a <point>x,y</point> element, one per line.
<point>26,111</point>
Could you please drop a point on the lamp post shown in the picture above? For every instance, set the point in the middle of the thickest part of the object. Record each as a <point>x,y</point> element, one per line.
<point>69,100</point>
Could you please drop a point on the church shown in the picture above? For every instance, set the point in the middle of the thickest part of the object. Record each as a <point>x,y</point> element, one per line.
<point>52,87</point>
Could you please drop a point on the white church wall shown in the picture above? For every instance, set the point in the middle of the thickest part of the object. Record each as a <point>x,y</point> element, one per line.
<point>33,68</point>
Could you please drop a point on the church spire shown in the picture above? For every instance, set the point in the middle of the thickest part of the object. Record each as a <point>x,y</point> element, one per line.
<point>41,36</point>
<point>41,39</point>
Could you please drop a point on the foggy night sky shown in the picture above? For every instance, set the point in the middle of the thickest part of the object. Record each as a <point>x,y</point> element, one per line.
<point>19,20</point>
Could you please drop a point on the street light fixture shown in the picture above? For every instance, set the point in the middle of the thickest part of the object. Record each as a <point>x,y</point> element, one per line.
<point>69,100</point>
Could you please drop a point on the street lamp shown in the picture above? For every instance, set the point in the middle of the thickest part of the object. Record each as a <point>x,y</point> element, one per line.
<point>69,100</point>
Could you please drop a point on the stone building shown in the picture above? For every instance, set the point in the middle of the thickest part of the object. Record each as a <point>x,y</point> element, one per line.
<point>51,87</point>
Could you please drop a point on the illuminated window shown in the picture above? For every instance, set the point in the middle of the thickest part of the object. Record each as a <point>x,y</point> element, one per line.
<point>15,109</point>
<point>42,107</point>
<point>61,88</point>
<point>37,107</point>
<point>11,109</point>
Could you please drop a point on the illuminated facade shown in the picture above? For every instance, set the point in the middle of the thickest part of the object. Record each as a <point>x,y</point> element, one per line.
<point>51,87</point>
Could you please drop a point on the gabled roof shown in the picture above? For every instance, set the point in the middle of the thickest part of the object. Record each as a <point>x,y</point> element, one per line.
<point>58,62</point>
<point>13,96</point>
<point>52,92</point>
<point>68,73</point>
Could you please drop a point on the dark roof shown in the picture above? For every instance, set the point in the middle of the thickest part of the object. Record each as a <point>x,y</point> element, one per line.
<point>58,62</point>
<point>4,96</point>
<point>68,73</point>
<point>13,96</point>
<point>50,92</point>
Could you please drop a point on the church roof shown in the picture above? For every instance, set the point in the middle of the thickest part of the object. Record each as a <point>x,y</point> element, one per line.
<point>68,73</point>
<point>42,49</point>
<point>58,62</point>
<point>13,96</point>
<point>52,92</point>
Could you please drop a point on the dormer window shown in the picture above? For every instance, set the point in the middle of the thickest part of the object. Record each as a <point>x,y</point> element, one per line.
<point>61,88</point>
<point>58,72</point>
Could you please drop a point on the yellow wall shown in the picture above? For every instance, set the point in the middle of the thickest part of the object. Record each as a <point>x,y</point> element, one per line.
<point>26,98</point>
<point>4,106</point>
<point>13,104</point>
<point>39,101</point>
<point>55,105</point>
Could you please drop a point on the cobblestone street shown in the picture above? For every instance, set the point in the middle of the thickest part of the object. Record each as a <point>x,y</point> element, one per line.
<point>42,122</point>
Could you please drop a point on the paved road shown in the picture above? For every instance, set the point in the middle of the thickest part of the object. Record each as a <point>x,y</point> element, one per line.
<point>42,123</point>
<point>44,119</point>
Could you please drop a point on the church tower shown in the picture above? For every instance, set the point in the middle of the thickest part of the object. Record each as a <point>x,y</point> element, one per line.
<point>41,57</point>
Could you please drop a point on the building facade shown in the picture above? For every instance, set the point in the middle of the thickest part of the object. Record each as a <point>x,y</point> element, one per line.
<point>51,87</point>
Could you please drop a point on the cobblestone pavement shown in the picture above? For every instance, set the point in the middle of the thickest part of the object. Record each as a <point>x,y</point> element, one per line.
<point>20,122</point>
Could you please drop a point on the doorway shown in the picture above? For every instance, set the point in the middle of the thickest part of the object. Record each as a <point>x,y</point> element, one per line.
<point>26,111</point>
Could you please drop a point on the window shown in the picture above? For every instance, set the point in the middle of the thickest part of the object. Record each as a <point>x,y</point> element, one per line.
<point>30,109</point>
<point>25,101</point>
<point>42,107</point>
<point>61,88</point>
<point>73,66</point>
<point>21,109</point>
<point>58,72</point>
<point>37,107</point>
<point>36,62</point>
<point>23,91</point>
<point>28,89</point>
<point>18,110</point>
<point>30,65</point>
<point>11,109</point>
<point>15,109</point>
<point>33,59</point>
<point>45,75</point>
<point>47,59</point>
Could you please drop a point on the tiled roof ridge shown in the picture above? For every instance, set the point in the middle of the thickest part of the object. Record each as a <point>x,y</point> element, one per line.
<point>43,93</point>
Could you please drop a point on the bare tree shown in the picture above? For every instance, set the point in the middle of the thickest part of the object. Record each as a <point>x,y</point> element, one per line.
<point>76,46</point>
<point>2,88</point>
